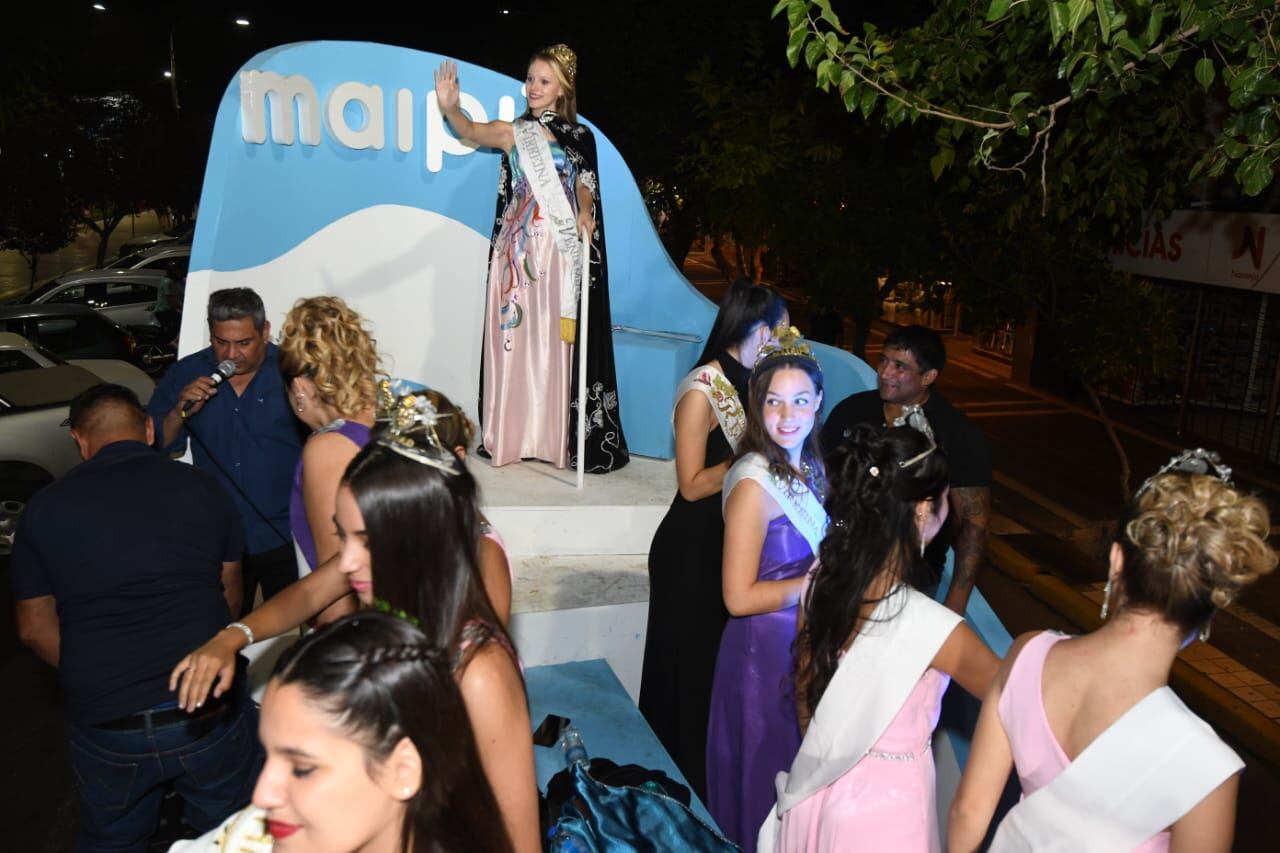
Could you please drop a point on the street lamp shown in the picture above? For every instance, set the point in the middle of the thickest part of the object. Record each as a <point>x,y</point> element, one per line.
<point>99,7</point>
<point>242,22</point>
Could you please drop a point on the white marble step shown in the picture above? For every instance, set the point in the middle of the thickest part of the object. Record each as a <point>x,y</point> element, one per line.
<point>539,511</point>
<point>570,581</point>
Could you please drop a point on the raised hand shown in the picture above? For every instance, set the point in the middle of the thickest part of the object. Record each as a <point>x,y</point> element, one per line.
<point>447,86</point>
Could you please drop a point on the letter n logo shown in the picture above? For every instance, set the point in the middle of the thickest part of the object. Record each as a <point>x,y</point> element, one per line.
<point>1252,245</point>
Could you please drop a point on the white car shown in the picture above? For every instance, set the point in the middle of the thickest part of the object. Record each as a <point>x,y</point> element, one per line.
<point>126,296</point>
<point>173,260</point>
<point>36,389</point>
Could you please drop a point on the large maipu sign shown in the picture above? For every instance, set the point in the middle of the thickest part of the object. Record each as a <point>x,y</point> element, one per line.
<point>331,171</point>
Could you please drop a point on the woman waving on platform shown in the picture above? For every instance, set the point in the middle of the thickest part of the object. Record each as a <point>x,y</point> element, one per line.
<point>1108,756</point>
<point>773,524</point>
<point>548,196</point>
<point>686,608</point>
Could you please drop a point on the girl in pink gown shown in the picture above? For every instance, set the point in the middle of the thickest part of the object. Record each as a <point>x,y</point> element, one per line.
<point>1108,758</point>
<point>874,656</point>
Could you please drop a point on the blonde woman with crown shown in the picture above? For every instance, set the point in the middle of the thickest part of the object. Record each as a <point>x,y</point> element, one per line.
<point>549,195</point>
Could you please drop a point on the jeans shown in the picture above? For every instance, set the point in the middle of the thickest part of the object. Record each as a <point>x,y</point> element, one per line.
<point>274,570</point>
<point>120,776</point>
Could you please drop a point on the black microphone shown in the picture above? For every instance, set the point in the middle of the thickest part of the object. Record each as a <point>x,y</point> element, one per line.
<point>224,369</point>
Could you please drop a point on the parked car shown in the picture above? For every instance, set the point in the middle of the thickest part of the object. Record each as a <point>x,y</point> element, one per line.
<point>76,332</point>
<point>126,296</point>
<point>178,235</point>
<point>173,260</point>
<point>35,389</point>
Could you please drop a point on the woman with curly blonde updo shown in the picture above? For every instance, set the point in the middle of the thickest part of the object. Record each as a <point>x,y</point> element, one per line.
<point>1108,757</point>
<point>329,362</point>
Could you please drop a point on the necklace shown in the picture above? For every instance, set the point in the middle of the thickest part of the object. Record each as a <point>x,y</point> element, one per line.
<point>336,423</point>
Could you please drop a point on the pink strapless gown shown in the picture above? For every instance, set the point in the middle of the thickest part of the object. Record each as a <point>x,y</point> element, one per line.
<point>885,801</point>
<point>1037,755</point>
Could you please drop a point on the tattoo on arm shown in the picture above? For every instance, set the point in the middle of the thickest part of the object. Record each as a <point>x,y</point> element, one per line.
<point>972,509</point>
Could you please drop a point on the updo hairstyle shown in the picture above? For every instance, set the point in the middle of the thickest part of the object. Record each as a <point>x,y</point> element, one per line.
<point>1191,543</point>
<point>871,504</point>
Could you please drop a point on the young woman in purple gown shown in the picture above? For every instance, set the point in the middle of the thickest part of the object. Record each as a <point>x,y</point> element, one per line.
<point>774,521</point>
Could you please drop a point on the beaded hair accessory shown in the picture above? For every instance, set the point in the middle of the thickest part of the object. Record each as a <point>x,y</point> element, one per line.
<point>410,430</point>
<point>1195,461</point>
<point>787,343</point>
<point>390,390</point>
<point>913,416</point>
<point>568,60</point>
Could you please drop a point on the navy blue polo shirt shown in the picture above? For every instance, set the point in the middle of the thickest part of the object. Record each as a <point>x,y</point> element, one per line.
<point>130,544</point>
<point>254,437</point>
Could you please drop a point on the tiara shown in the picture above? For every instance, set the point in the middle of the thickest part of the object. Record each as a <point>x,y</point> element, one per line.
<point>1196,461</point>
<point>568,60</point>
<point>913,416</point>
<point>410,430</point>
<point>390,390</point>
<point>787,343</point>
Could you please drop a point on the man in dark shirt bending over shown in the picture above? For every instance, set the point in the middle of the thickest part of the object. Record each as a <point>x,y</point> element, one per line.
<point>913,358</point>
<point>119,569</point>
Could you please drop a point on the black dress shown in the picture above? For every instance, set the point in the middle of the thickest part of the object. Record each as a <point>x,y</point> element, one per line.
<point>687,615</point>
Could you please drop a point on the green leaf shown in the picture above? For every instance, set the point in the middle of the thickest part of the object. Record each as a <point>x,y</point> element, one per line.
<point>1106,11</point>
<point>869,98</point>
<point>1018,97</point>
<point>798,38</point>
<point>1076,10</point>
<point>825,68</point>
<point>1129,45</point>
<point>778,7</point>
<point>1057,22</point>
<point>812,51</point>
<point>850,95</point>
<point>1205,73</point>
<point>1235,148</point>
<point>1154,23</point>
<point>997,10</point>
<point>1255,173</point>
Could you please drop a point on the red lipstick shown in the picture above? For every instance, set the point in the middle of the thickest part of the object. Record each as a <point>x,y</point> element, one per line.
<point>280,829</point>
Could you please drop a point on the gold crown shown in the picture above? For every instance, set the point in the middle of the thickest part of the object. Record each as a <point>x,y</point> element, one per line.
<point>568,60</point>
<point>787,343</point>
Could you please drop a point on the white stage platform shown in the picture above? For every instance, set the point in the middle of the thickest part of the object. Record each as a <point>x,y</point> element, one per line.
<point>580,557</point>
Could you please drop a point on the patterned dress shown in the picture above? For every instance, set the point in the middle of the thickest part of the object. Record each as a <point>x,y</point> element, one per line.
<point>528,405</point>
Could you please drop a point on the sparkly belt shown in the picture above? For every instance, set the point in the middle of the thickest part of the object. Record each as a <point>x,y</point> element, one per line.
<point>900,756</point>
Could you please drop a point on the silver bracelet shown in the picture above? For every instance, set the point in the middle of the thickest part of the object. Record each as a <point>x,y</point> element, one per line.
<point>248,632</point>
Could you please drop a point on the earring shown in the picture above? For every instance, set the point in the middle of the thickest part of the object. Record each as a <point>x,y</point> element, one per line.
<point>1106,599</point>
<point>301,399</point>
<point>922,546</point>
<point>1204,631</point>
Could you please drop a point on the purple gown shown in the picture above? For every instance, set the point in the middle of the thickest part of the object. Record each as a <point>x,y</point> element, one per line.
<point>753,732</point>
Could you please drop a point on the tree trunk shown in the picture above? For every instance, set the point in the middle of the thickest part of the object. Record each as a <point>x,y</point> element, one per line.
<point>33,262</point>
<point>722,261</point>
<point>104,236</point>
<point>1126,490</point>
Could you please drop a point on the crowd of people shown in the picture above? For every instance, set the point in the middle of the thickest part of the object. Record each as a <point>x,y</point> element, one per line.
<point>797,651</point>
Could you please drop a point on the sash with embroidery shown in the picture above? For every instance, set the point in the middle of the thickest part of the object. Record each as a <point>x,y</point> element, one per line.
<point>540,167</point>
<point>874,680</point>
<point>722,396</point>
<point>1149,768</point>
<point>799,503</point>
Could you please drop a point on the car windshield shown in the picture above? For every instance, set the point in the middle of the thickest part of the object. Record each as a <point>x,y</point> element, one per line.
<point>39,291</point>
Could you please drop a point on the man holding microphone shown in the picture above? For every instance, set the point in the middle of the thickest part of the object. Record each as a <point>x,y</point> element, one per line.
<point>242,431</point>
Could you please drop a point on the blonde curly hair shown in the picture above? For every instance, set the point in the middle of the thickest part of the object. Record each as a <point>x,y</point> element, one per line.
<point>325,340</point>
<point>1191,543</point>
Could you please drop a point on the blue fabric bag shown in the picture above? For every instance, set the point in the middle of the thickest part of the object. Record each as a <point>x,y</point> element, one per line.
<point>604,819</point>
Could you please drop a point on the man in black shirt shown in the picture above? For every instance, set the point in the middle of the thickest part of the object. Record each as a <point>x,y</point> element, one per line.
<point>912,359</point>
<point>119,569</point>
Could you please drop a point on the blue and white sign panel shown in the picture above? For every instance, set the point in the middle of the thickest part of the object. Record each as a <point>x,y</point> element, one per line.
<point>332,171</point>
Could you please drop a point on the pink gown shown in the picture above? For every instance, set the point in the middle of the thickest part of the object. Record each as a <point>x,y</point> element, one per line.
<point>885,802</point>
<point>1037,755</point>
